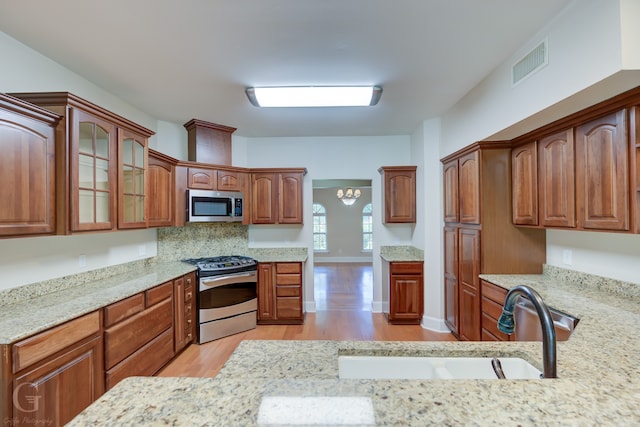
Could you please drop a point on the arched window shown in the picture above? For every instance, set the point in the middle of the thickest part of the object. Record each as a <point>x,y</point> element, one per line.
<point>319,227</point>
<point>367,229</point>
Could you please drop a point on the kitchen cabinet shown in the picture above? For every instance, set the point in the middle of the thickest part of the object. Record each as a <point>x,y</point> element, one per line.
<point>602,173</point>
<point>406,294</point>
<point>88,165</point>
<point>217,179</point>
<point>280,293</point>
<point>138,336</point>
<point>162,177</point>
<point>27,168</point>
<point>276,196</point>
<point>57,373</point>
<point>492,302</point>
<point>208,143</point>
<point>557,180</point>
<point>399,189</point>
<point>524,178</point>
<point>133,183</point>
<point>483,240</point>
<point>184,311</point>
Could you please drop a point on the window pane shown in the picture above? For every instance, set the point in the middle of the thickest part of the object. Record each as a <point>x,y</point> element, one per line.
<point>102,143</point>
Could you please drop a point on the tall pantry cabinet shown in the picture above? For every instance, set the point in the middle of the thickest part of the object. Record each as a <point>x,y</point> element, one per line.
<point>478,235</point>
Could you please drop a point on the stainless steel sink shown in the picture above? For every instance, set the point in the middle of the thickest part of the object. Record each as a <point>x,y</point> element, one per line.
<point>528,325</point>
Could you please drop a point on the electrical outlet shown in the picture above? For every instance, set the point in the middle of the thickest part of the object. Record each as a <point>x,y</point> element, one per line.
<point>567,256</point>
<point>82,261</point>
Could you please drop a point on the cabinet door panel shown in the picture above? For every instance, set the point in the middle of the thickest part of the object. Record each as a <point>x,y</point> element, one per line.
<point>602,173</point>
<point>290,198</point>
<point>469,284</point>
<point>60,389</point>
<point>263,198</point>
<point>266,292</point>
<point>161,193</point>
<point>133,183</point>
<point>406,297</point>
<point>27,174</point>
<point>450,173</point>
<point>557,181</point>
<point>202,179</point>
<point>93,172</point>
<point>524,180</point>
<point>451,278</point>
<point>231,181</point>
<point>469,188</point>
<point>399,196</point>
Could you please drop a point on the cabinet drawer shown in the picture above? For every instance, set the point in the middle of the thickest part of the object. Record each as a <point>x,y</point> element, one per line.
<point>493,292</point>
<point>492,308</point>
<point>288,307</point>
<point>126,337</point>
<point>288,267</point>
<point>288,279</point>
<point>491,325</point>
<point>144,362</point>
<point>405,268</point>
<point>157,294</point>
<point>124,309</point>
<point>288,291</point>
<point>38,347</point>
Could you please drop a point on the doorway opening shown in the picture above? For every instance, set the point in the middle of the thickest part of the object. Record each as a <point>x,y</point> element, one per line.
<point>343,245</point>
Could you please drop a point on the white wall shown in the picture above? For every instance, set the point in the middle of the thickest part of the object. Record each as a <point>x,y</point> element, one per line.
<point>589,44</point>
<point>428,231</point>
<point>29,260</point>
<point>331,158</point>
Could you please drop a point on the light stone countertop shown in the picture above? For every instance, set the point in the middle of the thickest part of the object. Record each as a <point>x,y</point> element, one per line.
<point>278,254</point>
<point>598,384</point>
<point>18,321</point>
<point>401,253</point>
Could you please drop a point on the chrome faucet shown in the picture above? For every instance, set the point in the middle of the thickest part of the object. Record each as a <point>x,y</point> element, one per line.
<point>506,324</point>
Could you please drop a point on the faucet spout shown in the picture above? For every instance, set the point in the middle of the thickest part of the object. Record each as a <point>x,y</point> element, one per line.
<point>506,324</point>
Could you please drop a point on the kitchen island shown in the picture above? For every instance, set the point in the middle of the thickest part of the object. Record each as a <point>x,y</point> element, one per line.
<point>598,380</point>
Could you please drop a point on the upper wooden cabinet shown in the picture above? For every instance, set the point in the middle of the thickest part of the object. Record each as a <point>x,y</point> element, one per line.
<point>161,190</point>
<point>209,143</point>
<point>462,189</point>
<point>27,168</point>
<point>133,183</point>
<point>399,189</point>
<point>88,165</point>
<point>276,196</point>
<point>602,173</point>
<point>524,178</point>
<point>635,164</point>
<point>556,180</point>
<point>217,179</point>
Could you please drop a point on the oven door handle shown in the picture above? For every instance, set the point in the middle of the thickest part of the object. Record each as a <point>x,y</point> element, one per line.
<point>213,282</point>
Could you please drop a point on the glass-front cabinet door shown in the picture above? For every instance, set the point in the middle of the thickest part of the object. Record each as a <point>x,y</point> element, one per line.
<point>93,173</point>
<point>132,180</point>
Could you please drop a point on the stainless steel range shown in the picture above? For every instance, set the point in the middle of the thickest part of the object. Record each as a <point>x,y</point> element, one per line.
<point>227,296</point>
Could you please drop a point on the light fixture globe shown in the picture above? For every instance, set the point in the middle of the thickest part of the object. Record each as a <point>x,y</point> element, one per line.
<point>348,196</point>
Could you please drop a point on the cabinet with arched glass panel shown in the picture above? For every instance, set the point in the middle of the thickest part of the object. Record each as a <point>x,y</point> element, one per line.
<point>101,165</point>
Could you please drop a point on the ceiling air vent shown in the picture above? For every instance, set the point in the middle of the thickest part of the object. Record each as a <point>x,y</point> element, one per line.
<point>533,61</point>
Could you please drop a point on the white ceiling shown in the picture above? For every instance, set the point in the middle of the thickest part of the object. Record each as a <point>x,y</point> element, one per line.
<point>178,60</point>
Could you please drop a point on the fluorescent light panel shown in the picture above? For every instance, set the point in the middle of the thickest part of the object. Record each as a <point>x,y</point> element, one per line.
<point>314,96</point>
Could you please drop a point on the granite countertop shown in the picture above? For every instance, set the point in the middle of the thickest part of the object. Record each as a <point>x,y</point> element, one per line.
<point>401,253</point>
<point>598,380</point>
<point>278,254</point>
<point>17,320</point>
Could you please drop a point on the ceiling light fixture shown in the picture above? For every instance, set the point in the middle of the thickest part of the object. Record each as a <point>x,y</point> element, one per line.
<point>314,96</point>
<point>348,196</point>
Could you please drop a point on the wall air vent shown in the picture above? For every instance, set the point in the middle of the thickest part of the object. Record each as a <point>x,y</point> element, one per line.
<point>529,64</point>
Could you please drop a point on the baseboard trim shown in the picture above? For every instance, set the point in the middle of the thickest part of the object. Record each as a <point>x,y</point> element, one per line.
<point>376,306</point>
<point>310,306</point>
<point>434,324</point>
<point>320,260</point>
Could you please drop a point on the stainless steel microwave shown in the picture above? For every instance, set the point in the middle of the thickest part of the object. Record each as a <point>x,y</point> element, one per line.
<point>214,206</point>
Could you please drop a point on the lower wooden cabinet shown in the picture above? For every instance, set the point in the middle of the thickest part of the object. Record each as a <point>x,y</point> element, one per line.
<point>280,293</point>
<point>406,294</point>
<point>184,311</point>
<point>57,373</point>
<point>146,335</point>
<point>492,301</point>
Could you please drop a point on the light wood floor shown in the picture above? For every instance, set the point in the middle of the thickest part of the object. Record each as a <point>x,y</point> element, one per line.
<point>343,302</point>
